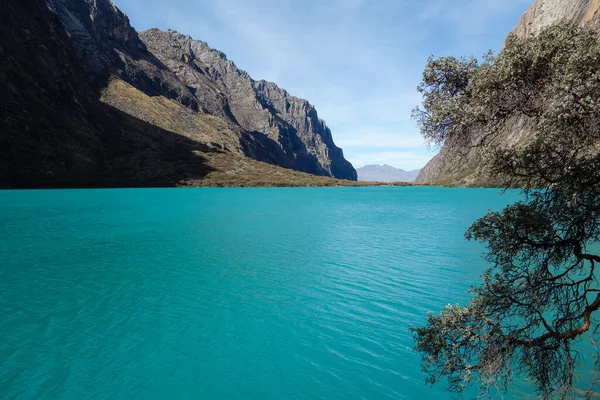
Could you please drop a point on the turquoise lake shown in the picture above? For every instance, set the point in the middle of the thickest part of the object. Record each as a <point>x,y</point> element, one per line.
<point>301,293</point>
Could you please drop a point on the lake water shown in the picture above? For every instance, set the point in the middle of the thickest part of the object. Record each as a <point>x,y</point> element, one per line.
<point>229,293</point>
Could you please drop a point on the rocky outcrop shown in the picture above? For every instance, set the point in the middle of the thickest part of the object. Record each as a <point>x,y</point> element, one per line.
<point>273,126</point>
<point>260,107</point>
<point>543,13</point>
<point>462,166</point>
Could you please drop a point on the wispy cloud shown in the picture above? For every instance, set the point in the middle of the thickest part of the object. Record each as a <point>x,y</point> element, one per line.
<point>357,61</point>
<point>376,138</point>
<point>470,20</point>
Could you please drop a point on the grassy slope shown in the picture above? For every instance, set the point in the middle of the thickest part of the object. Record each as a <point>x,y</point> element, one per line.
<point>171,116</point>
<point>54,133</point>
<point>219,144</point>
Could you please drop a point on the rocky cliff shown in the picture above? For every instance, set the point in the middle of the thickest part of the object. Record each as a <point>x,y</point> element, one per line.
<point>85,103</point>
<point>543,13</point>
<point>275,127</point>
<point>53,130</point>
<point>107,45</point>
<point>461,166</point>
<point>261,107</point>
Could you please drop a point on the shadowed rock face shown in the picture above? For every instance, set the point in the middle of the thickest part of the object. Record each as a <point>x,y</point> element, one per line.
<point>257,106</point>
<point>460,166</point>
<point>273,126</point>
<point>83,103</point>
<point>56,131</point>
<point>107,45</point>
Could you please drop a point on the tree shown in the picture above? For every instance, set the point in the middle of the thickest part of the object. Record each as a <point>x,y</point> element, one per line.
<point>541,293</point>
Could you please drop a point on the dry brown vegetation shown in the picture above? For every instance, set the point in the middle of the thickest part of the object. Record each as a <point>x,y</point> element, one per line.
<point>231,170</point>
<point>218,142</point>
<point>171,116</point>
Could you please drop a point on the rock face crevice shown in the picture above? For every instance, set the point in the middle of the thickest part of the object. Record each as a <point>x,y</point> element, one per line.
<point>273,125</point>
<point>462,166</point>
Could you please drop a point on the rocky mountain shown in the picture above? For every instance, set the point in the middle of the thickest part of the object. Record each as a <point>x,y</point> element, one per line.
<point>85,102</point>
<point>53,129</point>
<point>385,173</point>
<point>461,166</point>
<point>257,106</point>
<point>543,13</point>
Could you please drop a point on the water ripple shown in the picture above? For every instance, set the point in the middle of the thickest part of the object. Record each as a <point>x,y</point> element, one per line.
<point>232,293</point>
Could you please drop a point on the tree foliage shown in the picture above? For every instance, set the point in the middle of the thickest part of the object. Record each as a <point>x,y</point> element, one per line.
<point>541,292</point>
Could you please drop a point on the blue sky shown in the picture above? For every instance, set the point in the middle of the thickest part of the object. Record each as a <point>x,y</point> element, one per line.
<point>357,61</point>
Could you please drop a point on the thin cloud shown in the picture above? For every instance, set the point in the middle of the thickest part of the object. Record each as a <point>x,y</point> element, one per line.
<point>357,61</point>
<point>377,138</point>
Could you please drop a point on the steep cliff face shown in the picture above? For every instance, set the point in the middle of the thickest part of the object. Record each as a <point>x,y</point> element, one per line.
<point>84,104</point>
<point>257,106</point>
<point>452,166</point>
<point>55,133</point>
<point>203,80</point>
<point>543,13</point>
<point>461,166</point>
<point>107,45</point>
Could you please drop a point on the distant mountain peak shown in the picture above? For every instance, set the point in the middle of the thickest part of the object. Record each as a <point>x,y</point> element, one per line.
<point>385,173</point>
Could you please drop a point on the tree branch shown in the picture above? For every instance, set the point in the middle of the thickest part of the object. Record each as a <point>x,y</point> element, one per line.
<point>587,314</point>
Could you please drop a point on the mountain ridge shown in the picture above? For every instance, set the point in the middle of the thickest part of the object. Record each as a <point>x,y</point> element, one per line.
<point>85,103</point>
<point>256,106</point>
<point>385,173</point>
